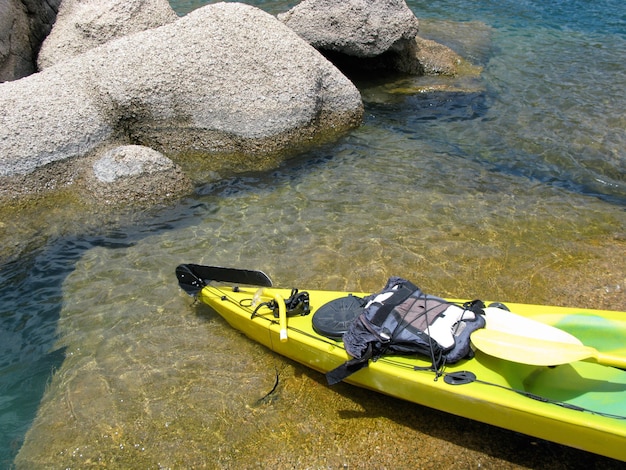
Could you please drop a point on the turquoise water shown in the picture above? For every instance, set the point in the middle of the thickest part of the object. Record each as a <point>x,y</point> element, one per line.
<point>514,173</point>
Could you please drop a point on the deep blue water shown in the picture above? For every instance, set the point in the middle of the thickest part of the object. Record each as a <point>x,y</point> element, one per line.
<point>551,113</point>
<point>31,300</point>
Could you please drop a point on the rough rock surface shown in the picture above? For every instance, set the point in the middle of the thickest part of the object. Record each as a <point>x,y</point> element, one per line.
<point>120,175</point>
<point>359,28</point>
<point>84,24</point>
<point>49,116</point>
<point>366,35</point>
<point>227,77</point>
<point>24,24</point>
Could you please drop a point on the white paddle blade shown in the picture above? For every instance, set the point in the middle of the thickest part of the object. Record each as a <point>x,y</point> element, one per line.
<point>508,322</point>
<point>528,350</point>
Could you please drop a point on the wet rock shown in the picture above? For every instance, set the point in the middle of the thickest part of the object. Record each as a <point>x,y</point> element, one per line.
<point>433,58</point>
<point>84,24</point>
<point>225,78</point>
<point>24,24</point>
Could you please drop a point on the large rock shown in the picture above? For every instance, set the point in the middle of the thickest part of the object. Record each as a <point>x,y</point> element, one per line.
<point>24,24</point>
<point>225,78</point>
<point>50,116</point>
<point>84,24</point>
<point>358,28</point>
<point>370,35</point>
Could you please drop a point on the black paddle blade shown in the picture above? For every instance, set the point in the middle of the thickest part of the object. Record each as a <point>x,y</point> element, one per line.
<point>188,280</point>
<point>193,277</point>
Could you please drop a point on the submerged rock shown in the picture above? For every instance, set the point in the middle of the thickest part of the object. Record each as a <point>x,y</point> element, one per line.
<point>434,59</point>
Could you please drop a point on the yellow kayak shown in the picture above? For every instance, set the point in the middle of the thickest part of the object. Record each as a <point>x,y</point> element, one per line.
<point>565,384</point>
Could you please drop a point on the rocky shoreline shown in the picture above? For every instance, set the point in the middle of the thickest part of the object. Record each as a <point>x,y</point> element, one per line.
<point>127,88</point>
<point>225,79</point>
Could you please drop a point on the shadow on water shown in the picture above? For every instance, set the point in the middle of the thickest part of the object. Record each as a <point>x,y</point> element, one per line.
<point>418,115</point>
<point>31,302</point>
<point>32,292</point>
<point>31,289</point>
<point>32,297</point>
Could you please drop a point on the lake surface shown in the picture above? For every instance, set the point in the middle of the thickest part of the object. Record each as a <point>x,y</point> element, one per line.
<point>515,190</point>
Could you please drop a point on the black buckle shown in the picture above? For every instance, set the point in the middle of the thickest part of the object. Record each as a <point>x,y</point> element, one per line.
<point>296,304</point>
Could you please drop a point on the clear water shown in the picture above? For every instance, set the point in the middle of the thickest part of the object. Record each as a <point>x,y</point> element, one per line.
<point>499,193</point>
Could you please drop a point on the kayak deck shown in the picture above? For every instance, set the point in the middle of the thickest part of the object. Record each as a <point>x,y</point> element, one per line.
<point>581,404</point>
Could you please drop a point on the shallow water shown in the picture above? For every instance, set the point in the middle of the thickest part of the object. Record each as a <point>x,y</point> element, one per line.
<point>515,191</point>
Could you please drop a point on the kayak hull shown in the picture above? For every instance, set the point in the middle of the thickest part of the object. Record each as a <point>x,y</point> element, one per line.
<point>581,404</point>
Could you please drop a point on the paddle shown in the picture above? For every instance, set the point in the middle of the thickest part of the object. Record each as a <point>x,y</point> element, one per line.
<point>537,351</point>
<point>193,277</point>
<point>499,319</point>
